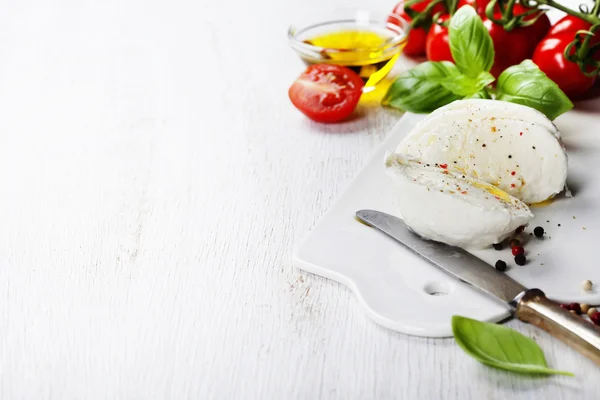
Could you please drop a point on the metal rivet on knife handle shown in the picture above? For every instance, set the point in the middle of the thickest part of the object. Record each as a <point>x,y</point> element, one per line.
<point>534,307</point>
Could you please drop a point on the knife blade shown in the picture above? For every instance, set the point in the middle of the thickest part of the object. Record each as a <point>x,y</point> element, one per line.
<point>528,305</point>
<point>452,260</point>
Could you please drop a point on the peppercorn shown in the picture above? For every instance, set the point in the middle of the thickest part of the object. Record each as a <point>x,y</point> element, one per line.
<point>520,259</point>
<point>516,250</point>
<point>591,311</point>
<point>595,317</point>
<point>538,231</point>
<point>514,242</point>
<point>500,265</point>
<point>565,306</point>
<point>587,285</point>
<point>575,307</point>
<point>497,246</point>
<point>584,308</point>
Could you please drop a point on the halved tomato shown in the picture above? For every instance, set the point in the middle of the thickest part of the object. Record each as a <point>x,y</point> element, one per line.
<point>326,92</point>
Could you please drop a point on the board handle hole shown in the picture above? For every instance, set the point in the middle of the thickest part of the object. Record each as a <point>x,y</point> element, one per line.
<point>437,289</point>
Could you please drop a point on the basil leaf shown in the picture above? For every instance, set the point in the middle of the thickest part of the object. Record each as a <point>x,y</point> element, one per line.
<point>482,94</point>
<point>464,86</point>
<point>420,90</point>
<point>500,347</point>
<point>470,43</point>
<point>526,84</point>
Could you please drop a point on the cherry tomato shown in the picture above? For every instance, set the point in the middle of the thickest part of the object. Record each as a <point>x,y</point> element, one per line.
<point>438,46</point>
<point>510,48</point>
<point>549,57</point>
<point>539,29</point>
<point>572,24</point>
<point>517,45</point>
<point>417,36</point>
<point>326,92</point>
<point>569,23</point>
<point>478,5</point>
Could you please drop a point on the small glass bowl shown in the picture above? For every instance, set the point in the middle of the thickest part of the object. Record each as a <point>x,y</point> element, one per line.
<point>373,61</point>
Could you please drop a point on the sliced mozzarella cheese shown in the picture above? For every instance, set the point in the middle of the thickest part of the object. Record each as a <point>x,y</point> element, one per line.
<point>511,146</point>
<point>441,205</point>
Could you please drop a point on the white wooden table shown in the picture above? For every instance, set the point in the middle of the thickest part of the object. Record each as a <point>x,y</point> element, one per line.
<point>154,179</point>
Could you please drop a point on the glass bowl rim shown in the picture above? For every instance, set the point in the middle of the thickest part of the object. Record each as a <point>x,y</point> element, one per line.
<point>392,41</point>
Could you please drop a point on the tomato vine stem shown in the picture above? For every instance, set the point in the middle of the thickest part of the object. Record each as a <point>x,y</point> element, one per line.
<point>592,17</point>
<point>422,18</point>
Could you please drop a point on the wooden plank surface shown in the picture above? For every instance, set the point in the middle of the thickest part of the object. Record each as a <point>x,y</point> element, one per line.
<point>155,179</point>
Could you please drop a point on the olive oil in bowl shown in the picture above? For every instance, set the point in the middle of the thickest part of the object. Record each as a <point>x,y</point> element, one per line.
<point>367,45</point>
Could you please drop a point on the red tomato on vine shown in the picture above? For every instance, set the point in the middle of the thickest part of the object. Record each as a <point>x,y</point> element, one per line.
<point>541,26</point>
<point>549,57</point>
<point>512,47</point>
<point>438,45</point>
<point>573,24</point>
<point>478,5</point>
<point>569,23</point>
<point>417,36</point>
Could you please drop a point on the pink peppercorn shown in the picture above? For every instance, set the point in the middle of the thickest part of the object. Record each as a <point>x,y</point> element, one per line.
<point>516,250</point>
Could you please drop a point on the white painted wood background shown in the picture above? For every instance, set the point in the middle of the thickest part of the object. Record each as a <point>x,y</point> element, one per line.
<point>154,179</point>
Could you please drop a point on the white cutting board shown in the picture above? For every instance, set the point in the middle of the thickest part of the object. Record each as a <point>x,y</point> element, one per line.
<point>394,285</point>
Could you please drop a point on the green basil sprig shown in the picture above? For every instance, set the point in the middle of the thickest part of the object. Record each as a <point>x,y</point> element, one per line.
<point>500,347</point>
<point>432,85</point>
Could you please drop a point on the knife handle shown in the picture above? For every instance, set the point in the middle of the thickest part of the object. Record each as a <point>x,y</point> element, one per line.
<point>534,307</point>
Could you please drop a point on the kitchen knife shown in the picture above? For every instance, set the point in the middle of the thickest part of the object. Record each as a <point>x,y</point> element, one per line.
<point>528,305</point>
